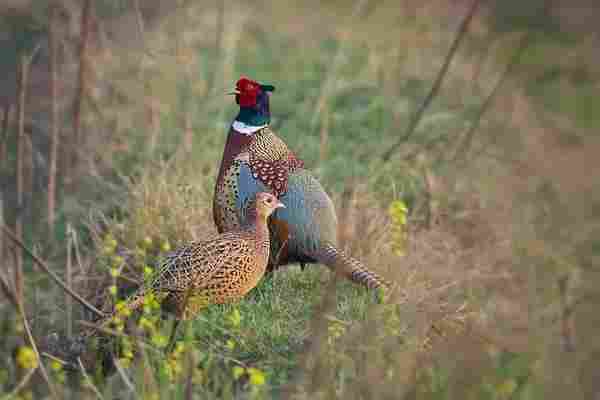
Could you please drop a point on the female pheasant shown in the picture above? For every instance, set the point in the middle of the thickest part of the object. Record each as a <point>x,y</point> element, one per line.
<point>215,271</point>
<point>255,159</point>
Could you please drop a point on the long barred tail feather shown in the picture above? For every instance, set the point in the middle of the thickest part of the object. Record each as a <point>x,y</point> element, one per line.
<point>349,267</point>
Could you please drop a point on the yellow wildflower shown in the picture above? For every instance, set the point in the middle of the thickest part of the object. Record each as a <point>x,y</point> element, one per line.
<point>159,340</point>
<point>198,377</point>
<point>165,246</point>
<point>125,362</point>
<point>56,366</point>
<point>110,244</point>
<point>146,323</point>
<point>179,348</point>
<point>117,261</point>
<point>140,252</point>
<point>257,377</point>
<point>122,310</point>
<point>398,212</point>
<point>26,358</point>
<point>148,271</point>
<point>147,242</point>
<point>237,372</point>
<point>507,387</point>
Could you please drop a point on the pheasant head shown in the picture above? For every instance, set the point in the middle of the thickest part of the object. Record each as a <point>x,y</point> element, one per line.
<point>266,204</point>
<point>259,209</point>
<point>253,99</point>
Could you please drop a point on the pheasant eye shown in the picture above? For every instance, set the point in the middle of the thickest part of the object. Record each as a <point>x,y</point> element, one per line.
<point>269,200</point>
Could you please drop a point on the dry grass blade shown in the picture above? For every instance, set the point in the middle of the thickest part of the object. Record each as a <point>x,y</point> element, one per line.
<point>124,376</point>
<point>567,329</point>
<point>22,85</point>
<point>21,384</point>
<point>6,289</point>
<point>4,133</point>
<point>82,75</point>
<point>54,358</point>
<point>4,282</point>
<point>37,353</point>
<point>49,272</point>
<point>88,380</point>
<point>190,362</point>
<point>69,283</point>
<point>54,136</point>
<point>115,333</point>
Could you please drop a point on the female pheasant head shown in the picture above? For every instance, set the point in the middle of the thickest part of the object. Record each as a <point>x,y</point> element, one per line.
<point>259,209</point>
<point>266,204</point>
<point>253,99</point>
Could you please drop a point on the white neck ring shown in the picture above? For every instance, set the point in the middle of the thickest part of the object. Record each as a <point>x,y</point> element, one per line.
<point>244,128</point>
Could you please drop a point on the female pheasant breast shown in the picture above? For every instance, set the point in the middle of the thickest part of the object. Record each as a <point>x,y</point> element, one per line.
<point>216,271</point>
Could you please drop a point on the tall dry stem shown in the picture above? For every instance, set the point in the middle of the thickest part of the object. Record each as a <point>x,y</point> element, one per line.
<point>21,94</point>
<point>325,118</point>
<point>81,84</point>
<point>69,281</point>
<point>54,134</point>
<point>4,134</point>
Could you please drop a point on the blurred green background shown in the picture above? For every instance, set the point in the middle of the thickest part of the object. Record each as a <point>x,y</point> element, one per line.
<point>496,264</point>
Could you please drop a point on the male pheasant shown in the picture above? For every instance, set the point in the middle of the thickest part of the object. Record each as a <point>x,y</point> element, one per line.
<point>215,271</point>
<point>255,159</point>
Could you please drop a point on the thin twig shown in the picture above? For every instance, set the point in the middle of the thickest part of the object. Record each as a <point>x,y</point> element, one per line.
<point>124,376</point>
<point>4,134</point>
<point>76,248</point>
<point>88,380</point>
<point>54,358</point>
<point>40,263</point>
<point>416,118</point>
<point>116,333</point>
<point>33,344</point>
<point>2,222</point>
<point>566,320</point>
<point>21,384</point>
<point>190,363</point>
<point>10,295</point>
<point>140,22</point>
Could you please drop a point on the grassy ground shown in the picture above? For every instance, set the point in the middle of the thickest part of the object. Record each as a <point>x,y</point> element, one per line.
<point>496,220</point>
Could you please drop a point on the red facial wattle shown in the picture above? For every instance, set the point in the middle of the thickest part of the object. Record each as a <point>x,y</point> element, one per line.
<point>248,91</point>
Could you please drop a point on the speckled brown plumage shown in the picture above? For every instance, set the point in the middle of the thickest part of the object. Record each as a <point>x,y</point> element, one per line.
<point>271,161</point>
<point>219,270</point>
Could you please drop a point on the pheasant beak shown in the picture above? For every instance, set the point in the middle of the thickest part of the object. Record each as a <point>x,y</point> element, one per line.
<point>280,205</point>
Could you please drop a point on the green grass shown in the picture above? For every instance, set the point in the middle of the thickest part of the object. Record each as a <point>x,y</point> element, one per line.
<point>290,331</point>
<point>275,321</point>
